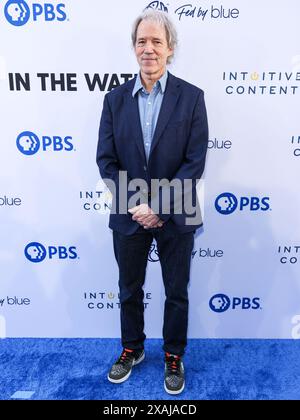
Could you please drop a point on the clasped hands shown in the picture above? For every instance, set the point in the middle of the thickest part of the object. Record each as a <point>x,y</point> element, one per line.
<point>145,216</point>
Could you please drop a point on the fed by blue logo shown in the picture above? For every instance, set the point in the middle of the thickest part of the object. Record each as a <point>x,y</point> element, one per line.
<point>29,143</point>
<point>221,303</point>
<point>153,253</point>
<point>18,12</point>
<point>36,252</point>
<point>157,5</point>
<point>228,203</point>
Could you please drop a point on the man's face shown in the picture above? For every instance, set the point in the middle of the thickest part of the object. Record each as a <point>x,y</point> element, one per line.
<point>151,48</point>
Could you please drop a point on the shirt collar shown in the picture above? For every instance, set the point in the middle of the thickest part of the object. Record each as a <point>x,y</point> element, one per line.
<point>162,83</point>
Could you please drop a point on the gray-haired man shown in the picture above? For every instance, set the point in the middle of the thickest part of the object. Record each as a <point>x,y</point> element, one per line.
<point>153,127</point>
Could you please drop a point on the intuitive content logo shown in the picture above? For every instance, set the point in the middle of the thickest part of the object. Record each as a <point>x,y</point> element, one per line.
<point>19,12</point>
<point>227,203</point>
<point>220,303</point>
<point>278,83</point>
<point>295,141</point>
<point>289,254</point>
<point>109,300</point>
<point>35,252</point>
<point>29,144</point>
<point>99,200</point>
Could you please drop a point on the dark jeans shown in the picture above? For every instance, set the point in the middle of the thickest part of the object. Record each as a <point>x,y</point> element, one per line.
<point>131,253</point>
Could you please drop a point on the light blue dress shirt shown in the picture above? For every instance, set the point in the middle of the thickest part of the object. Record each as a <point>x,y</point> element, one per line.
<point>149,107</point>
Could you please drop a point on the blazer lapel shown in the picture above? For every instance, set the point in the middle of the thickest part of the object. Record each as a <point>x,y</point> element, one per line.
<point>133,115</point>
<point>168,105</point>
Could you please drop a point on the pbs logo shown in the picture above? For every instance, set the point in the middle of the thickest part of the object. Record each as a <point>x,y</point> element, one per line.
<point>36,252</point>
<point>221,303</point>
<point>29,143</point>
<point>227,203</point>
<point>17,12</point>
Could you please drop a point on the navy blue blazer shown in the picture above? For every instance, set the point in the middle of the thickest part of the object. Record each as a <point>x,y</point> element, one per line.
<point>178,148</point>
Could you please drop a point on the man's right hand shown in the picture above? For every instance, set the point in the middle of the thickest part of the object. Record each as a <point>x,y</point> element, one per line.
<point>145,216</point>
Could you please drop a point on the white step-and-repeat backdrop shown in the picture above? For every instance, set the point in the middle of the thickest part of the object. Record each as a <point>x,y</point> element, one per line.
<point>58,274</point>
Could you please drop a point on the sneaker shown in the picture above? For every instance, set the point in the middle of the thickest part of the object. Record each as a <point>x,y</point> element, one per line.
<point>174,374</point>
<point>121,370</point>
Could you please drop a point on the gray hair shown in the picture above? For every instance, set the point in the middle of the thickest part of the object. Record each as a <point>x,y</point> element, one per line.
<point>162,19</point>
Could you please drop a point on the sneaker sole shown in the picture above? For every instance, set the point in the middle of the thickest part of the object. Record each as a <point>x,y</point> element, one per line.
<point>119,381</point>
<point>174,392</point>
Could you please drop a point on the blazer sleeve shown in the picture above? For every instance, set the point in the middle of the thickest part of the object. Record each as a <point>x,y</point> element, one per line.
<point>106,158</point>
<point>108,161</point>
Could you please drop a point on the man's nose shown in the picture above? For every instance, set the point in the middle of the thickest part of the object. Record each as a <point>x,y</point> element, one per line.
<point>148,49</point>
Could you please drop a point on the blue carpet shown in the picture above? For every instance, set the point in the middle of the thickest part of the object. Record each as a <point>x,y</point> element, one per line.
<point>76,369</point>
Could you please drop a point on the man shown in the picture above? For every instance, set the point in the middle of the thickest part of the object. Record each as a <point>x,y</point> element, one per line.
<point>153,127</point>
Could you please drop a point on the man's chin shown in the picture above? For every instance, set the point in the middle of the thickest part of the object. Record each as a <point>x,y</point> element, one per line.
<point>149,70</point>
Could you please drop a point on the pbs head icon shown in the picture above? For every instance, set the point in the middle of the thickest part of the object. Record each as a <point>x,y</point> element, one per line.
<point>35,252</point>
<point>219,303</point>
<point>28,143</point>
<point>17,12</point>
<point>226,203</point>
